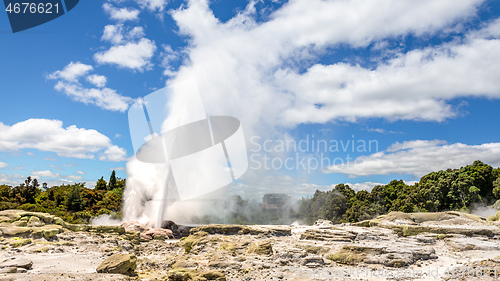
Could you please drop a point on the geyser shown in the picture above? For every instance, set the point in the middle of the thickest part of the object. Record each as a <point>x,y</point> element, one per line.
<point>186,152</point>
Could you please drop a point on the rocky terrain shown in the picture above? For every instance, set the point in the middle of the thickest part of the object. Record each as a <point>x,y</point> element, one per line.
<point>397,246</point>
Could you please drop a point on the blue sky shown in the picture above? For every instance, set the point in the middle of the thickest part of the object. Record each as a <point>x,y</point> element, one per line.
<point>421,78</point>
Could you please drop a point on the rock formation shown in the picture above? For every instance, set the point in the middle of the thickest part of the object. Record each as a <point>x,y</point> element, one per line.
<point>37,246</point>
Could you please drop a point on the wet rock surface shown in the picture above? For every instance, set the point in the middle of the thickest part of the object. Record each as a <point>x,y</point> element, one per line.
<point>46,248</point>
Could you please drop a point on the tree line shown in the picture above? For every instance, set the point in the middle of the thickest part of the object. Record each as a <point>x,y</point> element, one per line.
<point>452,189</point>
<point>74,203</point>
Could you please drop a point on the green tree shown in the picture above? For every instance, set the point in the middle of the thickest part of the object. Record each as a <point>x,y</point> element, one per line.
<point>496,188</point>
<point>5,191</point>
<point>112,181</point>
<point>74,200</point>
<point>101,184</point>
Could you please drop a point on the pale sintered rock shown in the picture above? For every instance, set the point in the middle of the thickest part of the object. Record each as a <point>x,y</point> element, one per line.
<point>106,229</point>
<point>15,231</point>
<point>10,215</point>
<point>261,248</point>
<point>469,243</point>
<point>118,263</point>
<point>327,235</point>
<point>20,242</point>
<point>34,221</point>
<point>46,231</point>
<point>13,262</point>
<point>8,270</point>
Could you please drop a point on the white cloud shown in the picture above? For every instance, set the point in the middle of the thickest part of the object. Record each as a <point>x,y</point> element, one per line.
<point>168,57</point>
<point>114,153</point>
<point>104,98</point>
<point>136,32</point>
<point>49,135</point>
<point>73,177</point>
<point>117,169</point>
<point>11,179</point>
<point>153,5</point>
<point>46,174</point>
<point>132,55</point>
<point>412,86</point>
<point>382,131</point>
<point>97,80</point>
<point>71,72</point>
<point>80,172</point>
<point>418,158</point>
<point>113,33</point>
<point>3,165</point>
<point>121,14</point>
<point>118,34</point>
<point>368,186</point>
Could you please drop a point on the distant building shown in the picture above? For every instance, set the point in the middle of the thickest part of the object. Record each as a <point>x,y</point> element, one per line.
<point>274,201</point>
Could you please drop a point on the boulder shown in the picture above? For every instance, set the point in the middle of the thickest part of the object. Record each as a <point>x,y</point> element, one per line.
<point>168,224</point>
<point>157,233</point>
<point>178,231</point>
<point>119,263</point>
<point>34,221</point>
<point>135,226</point>
<point>14,262</point>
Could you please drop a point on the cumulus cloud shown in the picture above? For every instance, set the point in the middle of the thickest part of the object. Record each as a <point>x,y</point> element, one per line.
<point>121,14</point>
<point>117,169</point>
<point>114,153</point>
<point>112,33</point>
<point>50,135</point>
<point>105,98</point>
<point>368,186</point>
<point>45,174</point>
<point>118,33</point>
<point>412,86</point>
<point>3,165</point>
<point>168,57</point>
<point>80,172</point>
<point>418,158</point>
<point>97,80</point>
<point>153,5</point>
<point>71,72</point>
<point>11,179</point>
<point>132,55</point>
<point>73,177</point>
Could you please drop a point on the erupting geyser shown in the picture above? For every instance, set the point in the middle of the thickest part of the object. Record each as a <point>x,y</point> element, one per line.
<point>182,153</point>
